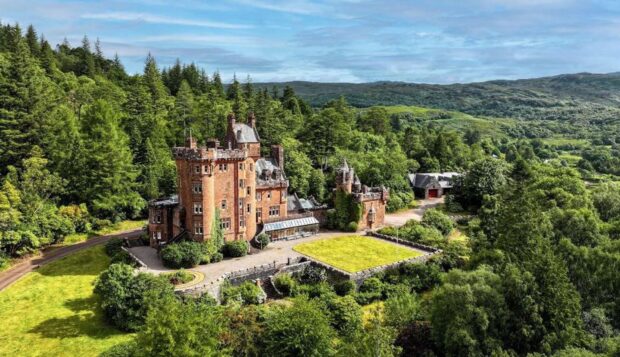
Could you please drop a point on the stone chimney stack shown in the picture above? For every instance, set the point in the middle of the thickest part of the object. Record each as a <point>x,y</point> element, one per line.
<point>231,123</point>
<point>277,152</point>
<point>251,120</point>
<point>190,142</point>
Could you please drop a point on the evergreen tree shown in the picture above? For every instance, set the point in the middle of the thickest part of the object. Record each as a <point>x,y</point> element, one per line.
<point>32,41</point>
<point>26,99</point>
<point>109,176</point>
<point>218,87</point>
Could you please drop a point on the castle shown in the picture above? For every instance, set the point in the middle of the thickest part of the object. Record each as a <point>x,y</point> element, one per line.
<point>247,191</point>
<point>372,199</point>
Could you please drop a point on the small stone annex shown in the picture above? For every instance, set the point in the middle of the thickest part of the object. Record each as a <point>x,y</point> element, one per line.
<point>372,199</point>
<point>246,190</point>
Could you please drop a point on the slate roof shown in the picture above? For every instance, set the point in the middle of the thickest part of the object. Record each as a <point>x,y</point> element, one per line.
<point>294,203</point>
<point>167,201</point>
<point>270,165</point>
<point>291,223</point>
<point>422,180</point>
<point>245,133</point>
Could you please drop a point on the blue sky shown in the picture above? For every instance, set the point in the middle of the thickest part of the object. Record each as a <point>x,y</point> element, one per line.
<point>429,41</point>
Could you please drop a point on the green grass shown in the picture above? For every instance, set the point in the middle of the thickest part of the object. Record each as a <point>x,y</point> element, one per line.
<point>53,311</point>
<point>563,141</point>
<point>355,253</point>
<point>115,228</point>
<point>489,127</point>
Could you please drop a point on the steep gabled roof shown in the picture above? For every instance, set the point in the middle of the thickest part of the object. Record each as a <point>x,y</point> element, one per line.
<point>245,133</point>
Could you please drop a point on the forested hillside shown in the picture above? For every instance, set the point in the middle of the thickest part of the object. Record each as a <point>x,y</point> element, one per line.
<point>584,96</point>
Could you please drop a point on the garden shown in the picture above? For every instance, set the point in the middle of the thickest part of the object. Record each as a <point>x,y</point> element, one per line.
<point>355,253</point>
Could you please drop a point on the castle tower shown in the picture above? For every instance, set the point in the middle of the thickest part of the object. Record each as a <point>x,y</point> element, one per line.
<point>344,177</point>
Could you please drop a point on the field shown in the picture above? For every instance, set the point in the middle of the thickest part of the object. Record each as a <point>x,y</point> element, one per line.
<point>355,253</point>
<point>489,127</point>
<point>53,311</point>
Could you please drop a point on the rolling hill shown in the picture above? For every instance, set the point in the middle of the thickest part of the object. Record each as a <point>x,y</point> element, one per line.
<point>582,97</point>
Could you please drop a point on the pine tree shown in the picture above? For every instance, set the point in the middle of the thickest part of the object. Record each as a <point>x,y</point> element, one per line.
<point>26,99</point>
<point>109,175</point>
<point>33,41</point>
<point>87,61</point>
<point>218,87</point>
<point>152,79</point>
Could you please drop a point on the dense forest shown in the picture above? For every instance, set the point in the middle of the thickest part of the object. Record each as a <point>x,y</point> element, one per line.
<point>582,96</point>
<point>83,144</point>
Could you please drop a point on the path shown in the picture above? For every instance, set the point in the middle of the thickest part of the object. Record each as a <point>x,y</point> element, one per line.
<point>278,251</point>
<point>52,253</point>
<point>400,218</point>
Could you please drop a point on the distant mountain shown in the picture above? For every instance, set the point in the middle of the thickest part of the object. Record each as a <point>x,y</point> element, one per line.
<point>581,96</point>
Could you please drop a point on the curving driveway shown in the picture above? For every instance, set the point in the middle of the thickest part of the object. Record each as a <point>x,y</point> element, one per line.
<point>278,251</point>
<point>53,253</point>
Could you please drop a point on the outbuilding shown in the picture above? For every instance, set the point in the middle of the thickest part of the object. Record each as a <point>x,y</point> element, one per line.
<point>432,185</point>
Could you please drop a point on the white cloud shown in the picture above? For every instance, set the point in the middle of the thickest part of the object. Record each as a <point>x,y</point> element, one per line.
<point>157,19</point>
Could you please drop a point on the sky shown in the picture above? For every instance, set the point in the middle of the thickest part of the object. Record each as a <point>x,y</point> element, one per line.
<point>428,41</point>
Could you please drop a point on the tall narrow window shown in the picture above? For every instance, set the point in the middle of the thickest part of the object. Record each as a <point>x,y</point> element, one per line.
<point>241,222</point>
<point>197,187</point>
<point>259,214</point>
<point>249,190</point>
<point>198,228</point>
<point>259,196</point>
<point>197,169</point>
<point>197,208</point>
<point>242,183</point>
<point>249,208</point>
<point>223,204</point>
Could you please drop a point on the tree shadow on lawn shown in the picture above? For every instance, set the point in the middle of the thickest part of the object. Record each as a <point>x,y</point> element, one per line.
<point>86,322</point>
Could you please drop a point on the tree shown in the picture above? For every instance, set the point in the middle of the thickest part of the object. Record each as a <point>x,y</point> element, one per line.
<point>109,175</point>
<point>485,177</point>
<point>297,166</point>
<point>300,330</point>
<point>126,298</point>
<point>376,120</point>
<point>316,185</point>
<point>468,313</point>
<point>439,220</point>
<point>27,97</point>
<point>174,328</point>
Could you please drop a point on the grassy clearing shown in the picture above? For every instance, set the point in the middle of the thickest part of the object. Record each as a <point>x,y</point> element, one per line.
<point>53,311</point>
<point>355,253</point>
<point>115,228</point>
<point>562,141</point>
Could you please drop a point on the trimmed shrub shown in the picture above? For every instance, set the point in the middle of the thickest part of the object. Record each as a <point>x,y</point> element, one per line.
<point>179,277</point>
<point>345,287</point>
<point>113,246</point>
<point>182,255</point>
<point>285,284</point>
<point>247,293</point>
<point>217,257</point>
<point>236,248</point>
<point>122,257</point>
<point>262,240</point>
<point>439,220</point>
<point>352,227</point>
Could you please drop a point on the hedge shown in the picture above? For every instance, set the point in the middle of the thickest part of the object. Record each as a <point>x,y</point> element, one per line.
<point>236,248</point>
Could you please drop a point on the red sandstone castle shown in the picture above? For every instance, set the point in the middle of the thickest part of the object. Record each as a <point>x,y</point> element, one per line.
<point>248,191</point>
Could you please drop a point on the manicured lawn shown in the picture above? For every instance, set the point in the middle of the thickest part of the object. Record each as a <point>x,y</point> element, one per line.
<point>53,311</point>
<point>115,228</point>
<point>355,253</point>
